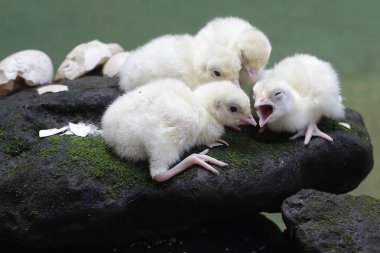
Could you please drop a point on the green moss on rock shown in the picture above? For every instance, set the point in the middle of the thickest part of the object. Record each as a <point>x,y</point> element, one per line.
<point>2,130</point>
<point>14,145</point>
<point>246,151</point>
<point>323,222</point>
<point>102,164</point>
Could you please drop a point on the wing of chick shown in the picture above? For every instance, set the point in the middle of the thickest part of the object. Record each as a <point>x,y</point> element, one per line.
<point>315,80</point>
<point>163,57</point>
<point>180,114</point>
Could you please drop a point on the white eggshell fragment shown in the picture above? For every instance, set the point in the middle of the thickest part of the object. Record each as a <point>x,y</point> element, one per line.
<point>52,131</point>
<point>53,88</point>
<point>84,58</point>
<point>113,65</point>
<point>115,48</point>
<point>344,124</point>
<point>31,67</point>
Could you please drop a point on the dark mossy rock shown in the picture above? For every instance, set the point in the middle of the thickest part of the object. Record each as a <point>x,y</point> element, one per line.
<point>236,234</point>
<point>324,222</point>
<point>62,190</point>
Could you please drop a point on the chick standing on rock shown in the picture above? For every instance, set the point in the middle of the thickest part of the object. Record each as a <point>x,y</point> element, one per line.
<point>181,57</point>
<point>296,93</point>
<point>252,45</point>
<point>147,123</point>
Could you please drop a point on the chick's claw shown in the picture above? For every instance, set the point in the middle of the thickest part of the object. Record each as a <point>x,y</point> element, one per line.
<point>204,152</point>
<point>314,131</point>
<point>298,134</point>
<point>223,141</point>
<point>214,144</point>
<point>236,128</point>
<point>201,160</point>
<point>218,143</point>
<point>310,131</point>
<point>198,159</point>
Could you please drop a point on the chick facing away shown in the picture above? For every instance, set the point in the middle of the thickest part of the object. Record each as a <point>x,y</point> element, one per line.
<point>296,94</point>
<point>181,57</point>
<point>238,35</point>
<point>147,123</point>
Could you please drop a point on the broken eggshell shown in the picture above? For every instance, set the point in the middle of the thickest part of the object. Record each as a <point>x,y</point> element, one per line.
<point>113,65</point>
<point>115,48</point>
<point>31,67</point>
<point>85,57</point>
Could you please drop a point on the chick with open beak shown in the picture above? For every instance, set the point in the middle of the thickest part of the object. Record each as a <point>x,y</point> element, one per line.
<point>296,94</point>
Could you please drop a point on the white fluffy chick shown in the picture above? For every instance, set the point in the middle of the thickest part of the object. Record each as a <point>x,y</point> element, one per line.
<point>147,123</point>
<point>238,35</point>
<point>296,93</point>
<point>181,57</point>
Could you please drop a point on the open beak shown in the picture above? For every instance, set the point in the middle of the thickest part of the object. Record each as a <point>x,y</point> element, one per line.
<point>252,74</point>
<point>236,82</point>
<point>265,109</point>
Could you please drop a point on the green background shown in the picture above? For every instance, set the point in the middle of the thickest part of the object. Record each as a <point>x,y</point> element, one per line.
<point>345,33</point>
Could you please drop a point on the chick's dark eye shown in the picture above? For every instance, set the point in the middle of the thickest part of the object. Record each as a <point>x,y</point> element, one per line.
<point>233,109</point>
<point>278,93</point>
<point>217,73</point>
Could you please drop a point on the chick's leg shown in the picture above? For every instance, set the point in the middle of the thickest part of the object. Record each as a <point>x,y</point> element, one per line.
<point>199,159</point>
<point>298,134</point>
<point>310,131</point>
<point>313,130</point>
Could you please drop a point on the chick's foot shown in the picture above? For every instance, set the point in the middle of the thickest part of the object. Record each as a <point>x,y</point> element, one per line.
<point>200,159</point>
<point>310,131</point>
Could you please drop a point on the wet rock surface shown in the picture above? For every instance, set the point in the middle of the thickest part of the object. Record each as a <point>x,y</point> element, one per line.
<point>63,190</point>
<point>323,222</point>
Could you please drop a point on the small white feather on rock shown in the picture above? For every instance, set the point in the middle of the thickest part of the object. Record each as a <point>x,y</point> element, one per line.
<point>344,124</point>
<point>30,67</point>
<point>84,58</point>
<point>53,88</point>
<point>53,131</point>
<point>80,129</point>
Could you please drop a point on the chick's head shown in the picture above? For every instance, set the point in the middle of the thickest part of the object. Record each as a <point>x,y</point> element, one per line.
<point>227,103</point>
<point>255,49</point>
<point>274,99</point>
<point>216,63</point>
